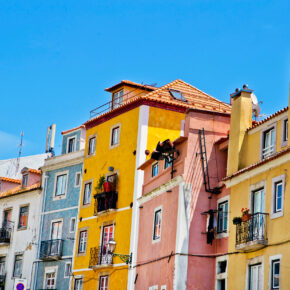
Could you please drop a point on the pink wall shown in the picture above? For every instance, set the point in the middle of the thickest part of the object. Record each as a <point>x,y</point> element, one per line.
<point>33,178</point>
<point>5,185</point>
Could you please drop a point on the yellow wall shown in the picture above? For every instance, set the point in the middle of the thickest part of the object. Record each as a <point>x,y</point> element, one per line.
<point>162,124</point>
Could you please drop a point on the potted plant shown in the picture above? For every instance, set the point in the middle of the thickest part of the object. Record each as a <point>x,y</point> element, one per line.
<point>108,186</point>
<point>245,214</point>
<point>101,182</point>
<point>237,220</point>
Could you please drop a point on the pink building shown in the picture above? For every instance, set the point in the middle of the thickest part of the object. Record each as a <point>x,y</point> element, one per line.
<point>183,224</point>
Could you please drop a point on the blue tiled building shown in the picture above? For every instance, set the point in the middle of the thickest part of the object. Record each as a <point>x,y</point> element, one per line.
<point>62,185</point>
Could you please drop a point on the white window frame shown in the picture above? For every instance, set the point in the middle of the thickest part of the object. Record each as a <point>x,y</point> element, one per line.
<point>48,270</point>
<point>55,221</point>
<point>255,187</point>
<point>65,268</point>
<point>163,287</point>
<point>159,239</point>
<point>154,287</point>
<point>154,164</point>
<point>103,275</point>
<point>3,270</point>
<point>25,178</point>
<point>270,126</point>
<point>79,277</point>
<point>221,276</point>
<point>275,180</point>
<point>117,103</point>
<point>89,138</point>
<point>111,135</point>
<point>80,180</point>
<point>250,262</point>
<point>75,144</point>
<point>79,237</point>
<point>283,141</point>
<point>75,222</point>
<point>271,259</point>
<point>63,196</point>
<point>222,200</point>
<point>83,193</point>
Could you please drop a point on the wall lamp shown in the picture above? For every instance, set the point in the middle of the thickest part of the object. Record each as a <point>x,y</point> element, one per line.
<point>125,258</point>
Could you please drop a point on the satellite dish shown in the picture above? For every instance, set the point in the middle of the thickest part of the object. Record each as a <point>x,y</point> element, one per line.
<point>256,106</point>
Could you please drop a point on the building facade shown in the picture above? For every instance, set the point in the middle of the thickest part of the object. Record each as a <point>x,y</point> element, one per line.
<point>62,177</point>
<point>183,224</point>
<point>258,169</point>
<point>135,119</point>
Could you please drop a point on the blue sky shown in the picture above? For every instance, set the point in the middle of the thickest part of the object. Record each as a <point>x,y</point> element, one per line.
<point>57,57</point>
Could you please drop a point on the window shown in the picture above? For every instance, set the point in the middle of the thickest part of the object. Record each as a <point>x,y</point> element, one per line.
<point>163,287</point>
<point>221,273</point>
<point>284,140</point>
<point>117,99</point>
<point>25,180</point>
<point>115,137</point>
<point>56,230</point>
<point>78,179</point>
<point>7,218</point>
<point>222,217</point>
<point>83,241</point>
<point>87,193</point>
<point>166,163</point>
<point>255,277</point>
<point>92,145</point>
<point>104,283</point>
<point>67,270</point>
<point>23,217</point>
<point>177,95</point>
<point>108,233</point>
<point>50,279</point>
<point>2,265</point>
<point>78,284</point>
<point>268,146</point>
<point>277,196</point>
<point>17,271</point>
<point>72,225</point>
<point>71,145</point>
<point>157,225</point>
<point>155,169</point>
<point>155,287</point>
<point>275,274</point>
<point>60,188</point>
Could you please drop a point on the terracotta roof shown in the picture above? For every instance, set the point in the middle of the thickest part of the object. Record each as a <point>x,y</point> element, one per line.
<point>221,140</point>
<point>196,99</point>
<point>34,171</point>
<point>257,164</point>
<point>73,129</point>
<point>19,189</point>
<point>130,83</point>
<point>256,124</point>
<point>10,180</point>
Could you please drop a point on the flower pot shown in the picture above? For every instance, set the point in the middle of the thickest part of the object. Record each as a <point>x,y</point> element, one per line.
<point>246,217</point>
<point>108,186</point>
<point>237,220</point>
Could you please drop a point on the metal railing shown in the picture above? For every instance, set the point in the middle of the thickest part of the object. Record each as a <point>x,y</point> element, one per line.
<point>51,249</point>
<point>268,151</point>
<point>105,201</point>
<point>5,235</point>
<point>255,229</point>
<point>100,256</point>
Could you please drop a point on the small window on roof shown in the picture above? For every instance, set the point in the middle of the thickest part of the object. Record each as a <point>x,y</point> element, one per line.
<point>177,95</point>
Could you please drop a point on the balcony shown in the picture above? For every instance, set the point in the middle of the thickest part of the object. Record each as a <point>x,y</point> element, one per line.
<point>51,250</point>
<point>5,235</point>
<point>99,256</point>
<point>105,201</point>
<point>252,234</point>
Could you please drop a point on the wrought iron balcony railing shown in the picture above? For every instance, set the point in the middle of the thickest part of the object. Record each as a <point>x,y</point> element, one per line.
<point>252,233</point>
<point>51,249</point>
<point>105,201</point>
<point>5,235</point>
<point>100,256</point>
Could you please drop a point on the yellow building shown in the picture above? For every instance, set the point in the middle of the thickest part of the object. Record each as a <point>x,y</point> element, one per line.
<point>136,118</point>
<point>258,176</point>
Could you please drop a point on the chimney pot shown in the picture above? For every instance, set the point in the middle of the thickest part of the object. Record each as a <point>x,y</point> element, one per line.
<point>237,89</point>
<point>245,86</point>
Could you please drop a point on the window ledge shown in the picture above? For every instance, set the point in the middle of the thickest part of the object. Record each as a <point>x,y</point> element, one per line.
<point>222,235</point>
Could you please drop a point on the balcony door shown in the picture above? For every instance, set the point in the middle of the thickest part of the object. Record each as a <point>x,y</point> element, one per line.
<point>56,232</point>
<point>108,233</point>
<point>7,218</point>
<point>258,217</point>
<point>255,282</point>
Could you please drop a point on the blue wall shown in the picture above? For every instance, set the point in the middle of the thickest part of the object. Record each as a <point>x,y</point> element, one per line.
<point>76,134</point>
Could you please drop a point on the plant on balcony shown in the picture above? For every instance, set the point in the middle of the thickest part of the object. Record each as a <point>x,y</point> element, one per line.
<point>237,220</point>
<point>245,214</point>
<point>99,187</point>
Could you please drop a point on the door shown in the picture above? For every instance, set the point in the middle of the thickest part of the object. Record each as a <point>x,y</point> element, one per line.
<point>108,233</point>
<point>258,217</point>
<point>255,277</point>
<point>7,218</point>
<point>56,231</point>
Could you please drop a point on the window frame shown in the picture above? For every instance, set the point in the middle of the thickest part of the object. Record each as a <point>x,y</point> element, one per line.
<point>271,260</point>
<point>80,179</point>
<point>74,145</point>
<point>114,127</point>
<point>263,134</point>
<point>84,192</point>
<point>155,238</point>
<point>182,97</point>
<point>83,253</point>
<point>252,262</point>
<point>103,276</point>
<point>25,180</point>
<point>78,278</point>
<point>48,270</point>
<point>284,132</point>
<point>117,104</point>
<point>73,218</point>
<point>89,152</point>
<point>66,275</point>
<point>276,180</point>
<point>222,203</point>
<point>14,264</point>
<point>56,175</point>
<point>3,264</point>
<point>155,164</point>
<point>19,228</point>
<point>223,275</point>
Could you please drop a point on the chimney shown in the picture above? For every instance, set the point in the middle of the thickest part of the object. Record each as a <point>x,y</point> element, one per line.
<point>241,119</point>
<point>289,117</point>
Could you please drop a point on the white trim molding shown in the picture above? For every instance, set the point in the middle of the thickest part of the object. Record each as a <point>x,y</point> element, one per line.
<point>271,259</point>
<point>221,276</point>
<point>253,261</point>
<point>284,142</point>
<point>222,200</point>
<point>276,180</point>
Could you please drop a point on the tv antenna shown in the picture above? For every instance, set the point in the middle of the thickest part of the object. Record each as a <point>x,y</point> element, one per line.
<point>20,151</point>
